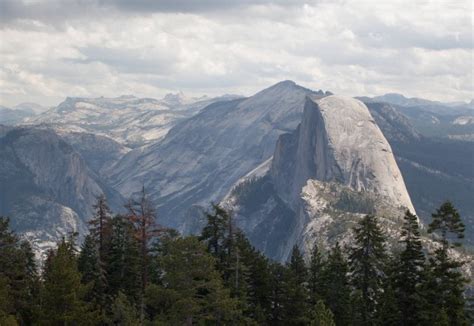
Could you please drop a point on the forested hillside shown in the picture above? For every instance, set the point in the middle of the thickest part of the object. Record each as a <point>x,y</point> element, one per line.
<point>131,271</point>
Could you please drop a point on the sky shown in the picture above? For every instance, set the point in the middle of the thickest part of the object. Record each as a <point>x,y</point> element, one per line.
<point>51,49</point>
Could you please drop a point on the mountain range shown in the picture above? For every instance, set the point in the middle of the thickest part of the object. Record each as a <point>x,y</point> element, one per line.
<point>289,161</point>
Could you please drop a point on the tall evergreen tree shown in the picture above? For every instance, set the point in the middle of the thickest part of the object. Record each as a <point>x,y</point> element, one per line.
<point>445,285</point>
<point>123,260</point>
<point>409,272</point>
<point>216,234</point>
<point>315,281</point>
<point>62,297</point>
<point>321,315</point>
<point>18,274</point>
<point>123,312</point>
<point>296,293</point>
<point>93,273</point>
<point>335,289</point>
<point>278,294</point>
<point>100,226</point>
<point>193,292</point>
<point>142,215</point>
<point>388,311</point>
<point>367,261</point>
<point>255,276</point>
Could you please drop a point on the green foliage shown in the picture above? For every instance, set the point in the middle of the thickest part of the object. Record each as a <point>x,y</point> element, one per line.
<point>93,273</point>
<point>192,287</point>
<point>123,312</point>
<point>123,260</point>
<point>445,282</point>
<point>356,202</point>
<point>321,315</point>
<point>409,271</point>
<point>367,260</point>
<point>62,296</point>
<point>219,278</point>
<point>447,221</point>
<point>19,282</point>
<point>335,288</point>
<point>296,293</point>
<point>315,277</point>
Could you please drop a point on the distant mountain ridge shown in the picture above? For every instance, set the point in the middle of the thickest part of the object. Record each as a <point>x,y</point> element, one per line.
<point>127,119</point>
<point>189,154</point>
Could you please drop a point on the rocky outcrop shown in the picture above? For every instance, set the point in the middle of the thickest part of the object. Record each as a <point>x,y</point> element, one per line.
<point>334,168</point>
<point>338,140</point>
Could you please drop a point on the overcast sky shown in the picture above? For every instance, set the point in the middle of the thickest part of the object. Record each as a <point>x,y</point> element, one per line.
<point>50,49</point>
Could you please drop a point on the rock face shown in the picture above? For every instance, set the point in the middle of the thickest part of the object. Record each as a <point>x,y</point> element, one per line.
<point>334,168</point>
<point>201,158</point>
<point>46,186</point>
<point>338,140</point>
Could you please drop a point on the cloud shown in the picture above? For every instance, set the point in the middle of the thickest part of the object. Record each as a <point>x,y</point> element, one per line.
<point>52,49</point>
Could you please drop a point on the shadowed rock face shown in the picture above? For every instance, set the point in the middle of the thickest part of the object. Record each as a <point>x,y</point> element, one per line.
<point>46,187</point>
<point>338,140</point>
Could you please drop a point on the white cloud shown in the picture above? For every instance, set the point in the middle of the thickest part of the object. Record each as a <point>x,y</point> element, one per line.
<point>53,49</point>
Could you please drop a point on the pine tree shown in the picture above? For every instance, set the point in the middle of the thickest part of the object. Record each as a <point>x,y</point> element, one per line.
<point>62,295</point>
<point>18,273</point>
<point>409,272</point>
<point>193,292</point>
<point>122,312</point>
<point>448,224</point>
<point>445,284</point>
<point>142,215</point>
<point>388,311</point>
<point>335,290</point>
<point>217,236</point>
<point>93,273</point>
<point>315,282</point>
<point>296,293</point>
<point>278,294</point>
<point>123,260</point>
<point>322,316</point>
<point>100,226</point>
<point>255,276</point>
<point>367,260</point>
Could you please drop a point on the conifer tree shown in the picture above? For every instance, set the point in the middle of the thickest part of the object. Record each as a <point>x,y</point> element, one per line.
<point>62,297</point>
<point>18,274</point>
<point>445,285</point>
<point>367,260</point>
<point>409,272</point>
<point>296,294</point>
<point>315,281</point>
<point>217,236</point>
<point>255,277</point>
<point>335,288</point>
<point>100,226</point>
<point>448,224</point>
<point>123,312</point>
<point>142,215</point>
<point>388,311</point>
<point>93,273</point>
<point>192,287</point>
<point>278,295</point>
<point>123,260</point>
<point>321,315</point>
